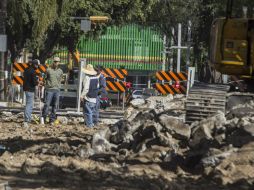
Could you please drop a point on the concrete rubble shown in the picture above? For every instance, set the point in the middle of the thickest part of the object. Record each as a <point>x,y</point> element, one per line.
<point>151,148</point>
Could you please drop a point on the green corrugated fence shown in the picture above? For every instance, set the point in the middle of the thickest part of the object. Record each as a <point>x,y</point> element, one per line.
<point>132,47</point>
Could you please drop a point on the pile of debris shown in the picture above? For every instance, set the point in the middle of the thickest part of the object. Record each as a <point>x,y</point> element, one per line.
<point>219,148</point>
<point>151,148</point>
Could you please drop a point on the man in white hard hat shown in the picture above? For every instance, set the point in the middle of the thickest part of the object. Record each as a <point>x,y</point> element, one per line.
<point>89,94</point>
<point>53,83</point>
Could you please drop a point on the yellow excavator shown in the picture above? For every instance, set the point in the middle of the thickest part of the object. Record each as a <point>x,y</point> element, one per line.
<point>231,53</point>
<point>232,47</point>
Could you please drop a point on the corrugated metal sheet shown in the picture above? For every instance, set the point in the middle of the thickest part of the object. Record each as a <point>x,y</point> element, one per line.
<point>132,47</point>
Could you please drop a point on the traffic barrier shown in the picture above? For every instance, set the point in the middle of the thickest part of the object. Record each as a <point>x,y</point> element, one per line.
<point>19,67</point>
<point>115,73</point>
<point>171,76</point>
<point>18,80</point>
<point>166,78</point>
<point>22,66</point>
<point>116,86</point>
<point>170,89</point>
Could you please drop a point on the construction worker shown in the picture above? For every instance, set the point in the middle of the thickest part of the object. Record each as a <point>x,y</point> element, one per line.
<point>89,94</point>
<point>52,86</point>
<point>101,92</point>
<point>30,82</point>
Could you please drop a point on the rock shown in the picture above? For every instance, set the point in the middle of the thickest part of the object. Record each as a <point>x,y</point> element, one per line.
<point>123,130</point>
<point>232,123</point>
<point>142,117</point>
<point>167,140</point>
<point>6,114</point>
<point>179,96</point>
<point>244,121</point>
<point>100,142</point>
<point>219,139</point>
<point>108,121</point>
<point>131,113</point>
<point>154,153</point>
<point>215,159</point>
<point>62,120</point>
<point>159,102</point>
<point>241,135</point>
<point>240,112</point>
<point>119,132</point>
<point>137,102</point>
<point>86,151</point>
<point>145,136</point>
<point>175,127</point>
<point>20,115</point>
<point>249,129</point>
<point>239,166</point>
<point>207,128</point>
<point>30,166</point>
<point>202,132</point>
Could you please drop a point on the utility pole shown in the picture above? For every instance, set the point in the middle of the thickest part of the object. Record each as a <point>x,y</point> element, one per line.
<point>179,47</point>
<point>164,53</point>
<point>188,45</point>
<point>178,68</point>
<point>171,44</point>
<point>3,46</point>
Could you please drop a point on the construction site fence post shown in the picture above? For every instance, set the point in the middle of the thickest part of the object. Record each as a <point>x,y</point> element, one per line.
<point>80,77</point>
<point>124,94</point>
<point>191,78</point>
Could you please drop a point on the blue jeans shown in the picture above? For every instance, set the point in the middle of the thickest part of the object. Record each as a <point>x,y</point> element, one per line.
<point>89,110</point>
<point>97,110</point>
<point>52,99</point>
<point>29,106</point>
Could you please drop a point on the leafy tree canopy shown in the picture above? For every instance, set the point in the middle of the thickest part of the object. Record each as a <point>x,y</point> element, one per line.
<point>40,25</point>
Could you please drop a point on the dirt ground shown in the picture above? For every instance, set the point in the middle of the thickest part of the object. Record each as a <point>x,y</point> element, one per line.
<point>55,157</point>
<point>151,149</point>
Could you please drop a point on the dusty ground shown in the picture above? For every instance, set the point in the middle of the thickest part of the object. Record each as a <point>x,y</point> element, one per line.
<point>54,157</point>
<point>151,149</point>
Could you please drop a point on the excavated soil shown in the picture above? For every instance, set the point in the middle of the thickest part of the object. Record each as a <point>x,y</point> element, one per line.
<point>150,149</point>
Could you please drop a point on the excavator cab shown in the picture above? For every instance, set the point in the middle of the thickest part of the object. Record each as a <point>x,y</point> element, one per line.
<point>231,53</point>
<point>232,43</point>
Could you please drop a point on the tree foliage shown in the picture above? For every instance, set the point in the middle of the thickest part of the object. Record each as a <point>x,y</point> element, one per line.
<point>40,25</point>
<point>168,13</point>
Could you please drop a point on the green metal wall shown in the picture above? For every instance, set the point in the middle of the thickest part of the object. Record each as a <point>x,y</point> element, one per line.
<point>132,47</point>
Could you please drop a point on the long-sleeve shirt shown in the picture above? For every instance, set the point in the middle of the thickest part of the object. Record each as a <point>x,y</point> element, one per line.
<point>90,88</point>
<point>54,78</point>
<point>30,79</point>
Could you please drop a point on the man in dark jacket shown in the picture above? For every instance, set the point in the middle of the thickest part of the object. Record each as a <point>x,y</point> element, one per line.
<point>30,82</point>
